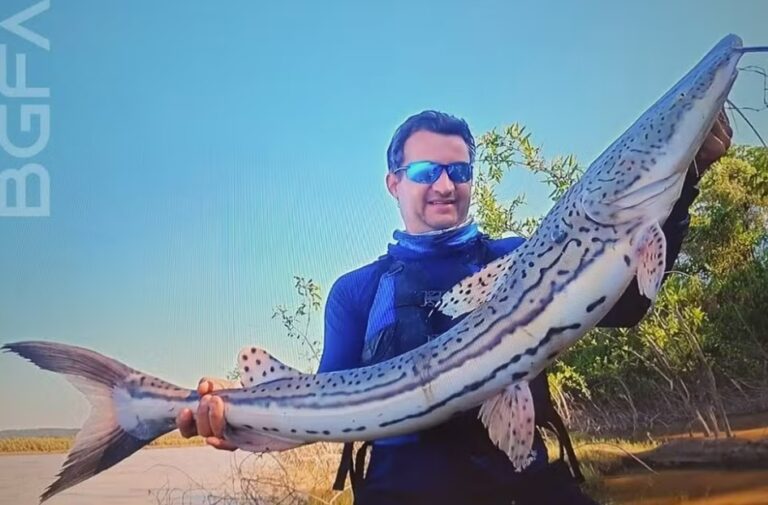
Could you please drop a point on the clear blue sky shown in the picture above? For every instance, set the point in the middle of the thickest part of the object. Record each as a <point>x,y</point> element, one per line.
<point>201,155</point>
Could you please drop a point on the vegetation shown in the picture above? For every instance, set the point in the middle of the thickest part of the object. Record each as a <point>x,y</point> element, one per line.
<point>63,444</point>
<point>702,351</point>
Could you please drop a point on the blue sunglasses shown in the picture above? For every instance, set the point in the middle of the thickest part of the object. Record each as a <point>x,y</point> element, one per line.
<point>427,172</point>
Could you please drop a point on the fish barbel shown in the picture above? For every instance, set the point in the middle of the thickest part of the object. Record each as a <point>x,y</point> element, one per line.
<point>522,311</point>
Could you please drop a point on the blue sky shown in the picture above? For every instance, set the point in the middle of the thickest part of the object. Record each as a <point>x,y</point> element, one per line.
<point>200,156</point>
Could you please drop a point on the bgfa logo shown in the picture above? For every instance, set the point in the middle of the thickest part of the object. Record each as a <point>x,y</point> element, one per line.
<point>21,105</point>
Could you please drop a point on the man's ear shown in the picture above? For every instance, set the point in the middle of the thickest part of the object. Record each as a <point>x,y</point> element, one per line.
<point>392,180</point>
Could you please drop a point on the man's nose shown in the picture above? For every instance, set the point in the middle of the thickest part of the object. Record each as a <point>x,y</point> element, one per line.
<point>443,184</point>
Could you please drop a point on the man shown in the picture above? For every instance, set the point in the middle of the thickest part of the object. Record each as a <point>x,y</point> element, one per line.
<point>386,308</point>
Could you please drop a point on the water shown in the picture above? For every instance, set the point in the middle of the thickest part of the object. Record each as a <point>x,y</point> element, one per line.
<point>175,476</point>
<point>690,487</point>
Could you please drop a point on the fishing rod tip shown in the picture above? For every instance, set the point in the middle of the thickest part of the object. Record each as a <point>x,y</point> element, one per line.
<point>753,49</point>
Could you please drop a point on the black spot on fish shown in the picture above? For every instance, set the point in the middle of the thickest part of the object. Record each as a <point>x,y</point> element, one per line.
<point>326,432</point>
<point>626,260</point>
<point>246,369</point>
<point>595,304</point>
<point>248,426</point>
<point>253,350</point>
<point>310,432</point>
<point>245,357</point>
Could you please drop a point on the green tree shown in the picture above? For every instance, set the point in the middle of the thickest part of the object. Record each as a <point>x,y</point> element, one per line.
<point>707,326</point>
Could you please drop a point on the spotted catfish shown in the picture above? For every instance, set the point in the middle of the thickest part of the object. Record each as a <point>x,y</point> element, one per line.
<point>520,312</point>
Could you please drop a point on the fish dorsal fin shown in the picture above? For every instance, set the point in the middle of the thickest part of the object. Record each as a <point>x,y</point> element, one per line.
<point>509,418</point>
<point>473,291</point>
<point>257,365</point>
<point>652,252</point>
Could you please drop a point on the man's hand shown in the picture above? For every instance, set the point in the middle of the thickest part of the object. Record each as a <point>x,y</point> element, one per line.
<point>715,145</point>
<point>209,421</point>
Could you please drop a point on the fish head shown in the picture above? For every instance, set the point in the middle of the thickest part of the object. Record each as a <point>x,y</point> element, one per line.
<point>640,175</point>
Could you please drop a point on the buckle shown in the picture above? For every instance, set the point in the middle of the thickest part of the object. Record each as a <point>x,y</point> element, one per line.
<point>432,298</point>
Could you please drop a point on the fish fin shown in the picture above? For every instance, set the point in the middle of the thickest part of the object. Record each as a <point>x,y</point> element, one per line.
<point>473,291</point>
<point>652,251</point>
<point>255,441</point>
<point>257,366</point>
<point>509,418</point>
<point>101,442</point>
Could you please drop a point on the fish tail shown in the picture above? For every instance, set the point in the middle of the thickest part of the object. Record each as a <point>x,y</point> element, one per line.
<point>115,428</point>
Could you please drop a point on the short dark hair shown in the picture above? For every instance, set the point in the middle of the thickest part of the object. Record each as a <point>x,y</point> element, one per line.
<point>429,120</point>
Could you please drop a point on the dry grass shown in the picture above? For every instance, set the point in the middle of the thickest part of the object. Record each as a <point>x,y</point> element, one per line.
<point>24,445</point>
<point>301,476</point>
<point>35,444</point>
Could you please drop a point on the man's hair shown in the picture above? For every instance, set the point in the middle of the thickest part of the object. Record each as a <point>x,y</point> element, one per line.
<point>432,121</point>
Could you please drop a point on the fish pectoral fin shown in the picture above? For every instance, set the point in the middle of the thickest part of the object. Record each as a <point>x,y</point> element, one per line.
<point>473,291</point>
<point>652,252</point>
<point>247,439</point>
<point>509,418</point>
<point>257,366</point>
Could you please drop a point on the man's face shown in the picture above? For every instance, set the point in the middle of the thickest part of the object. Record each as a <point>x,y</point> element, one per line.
<point>442,204</point>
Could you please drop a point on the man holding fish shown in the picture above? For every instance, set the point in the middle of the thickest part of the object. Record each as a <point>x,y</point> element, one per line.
<point>387,308</point>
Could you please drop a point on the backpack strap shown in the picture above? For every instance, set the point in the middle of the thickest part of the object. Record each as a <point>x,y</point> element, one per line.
<point>558,426</point>
<point>345,467</point>
<point>349,464</point>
